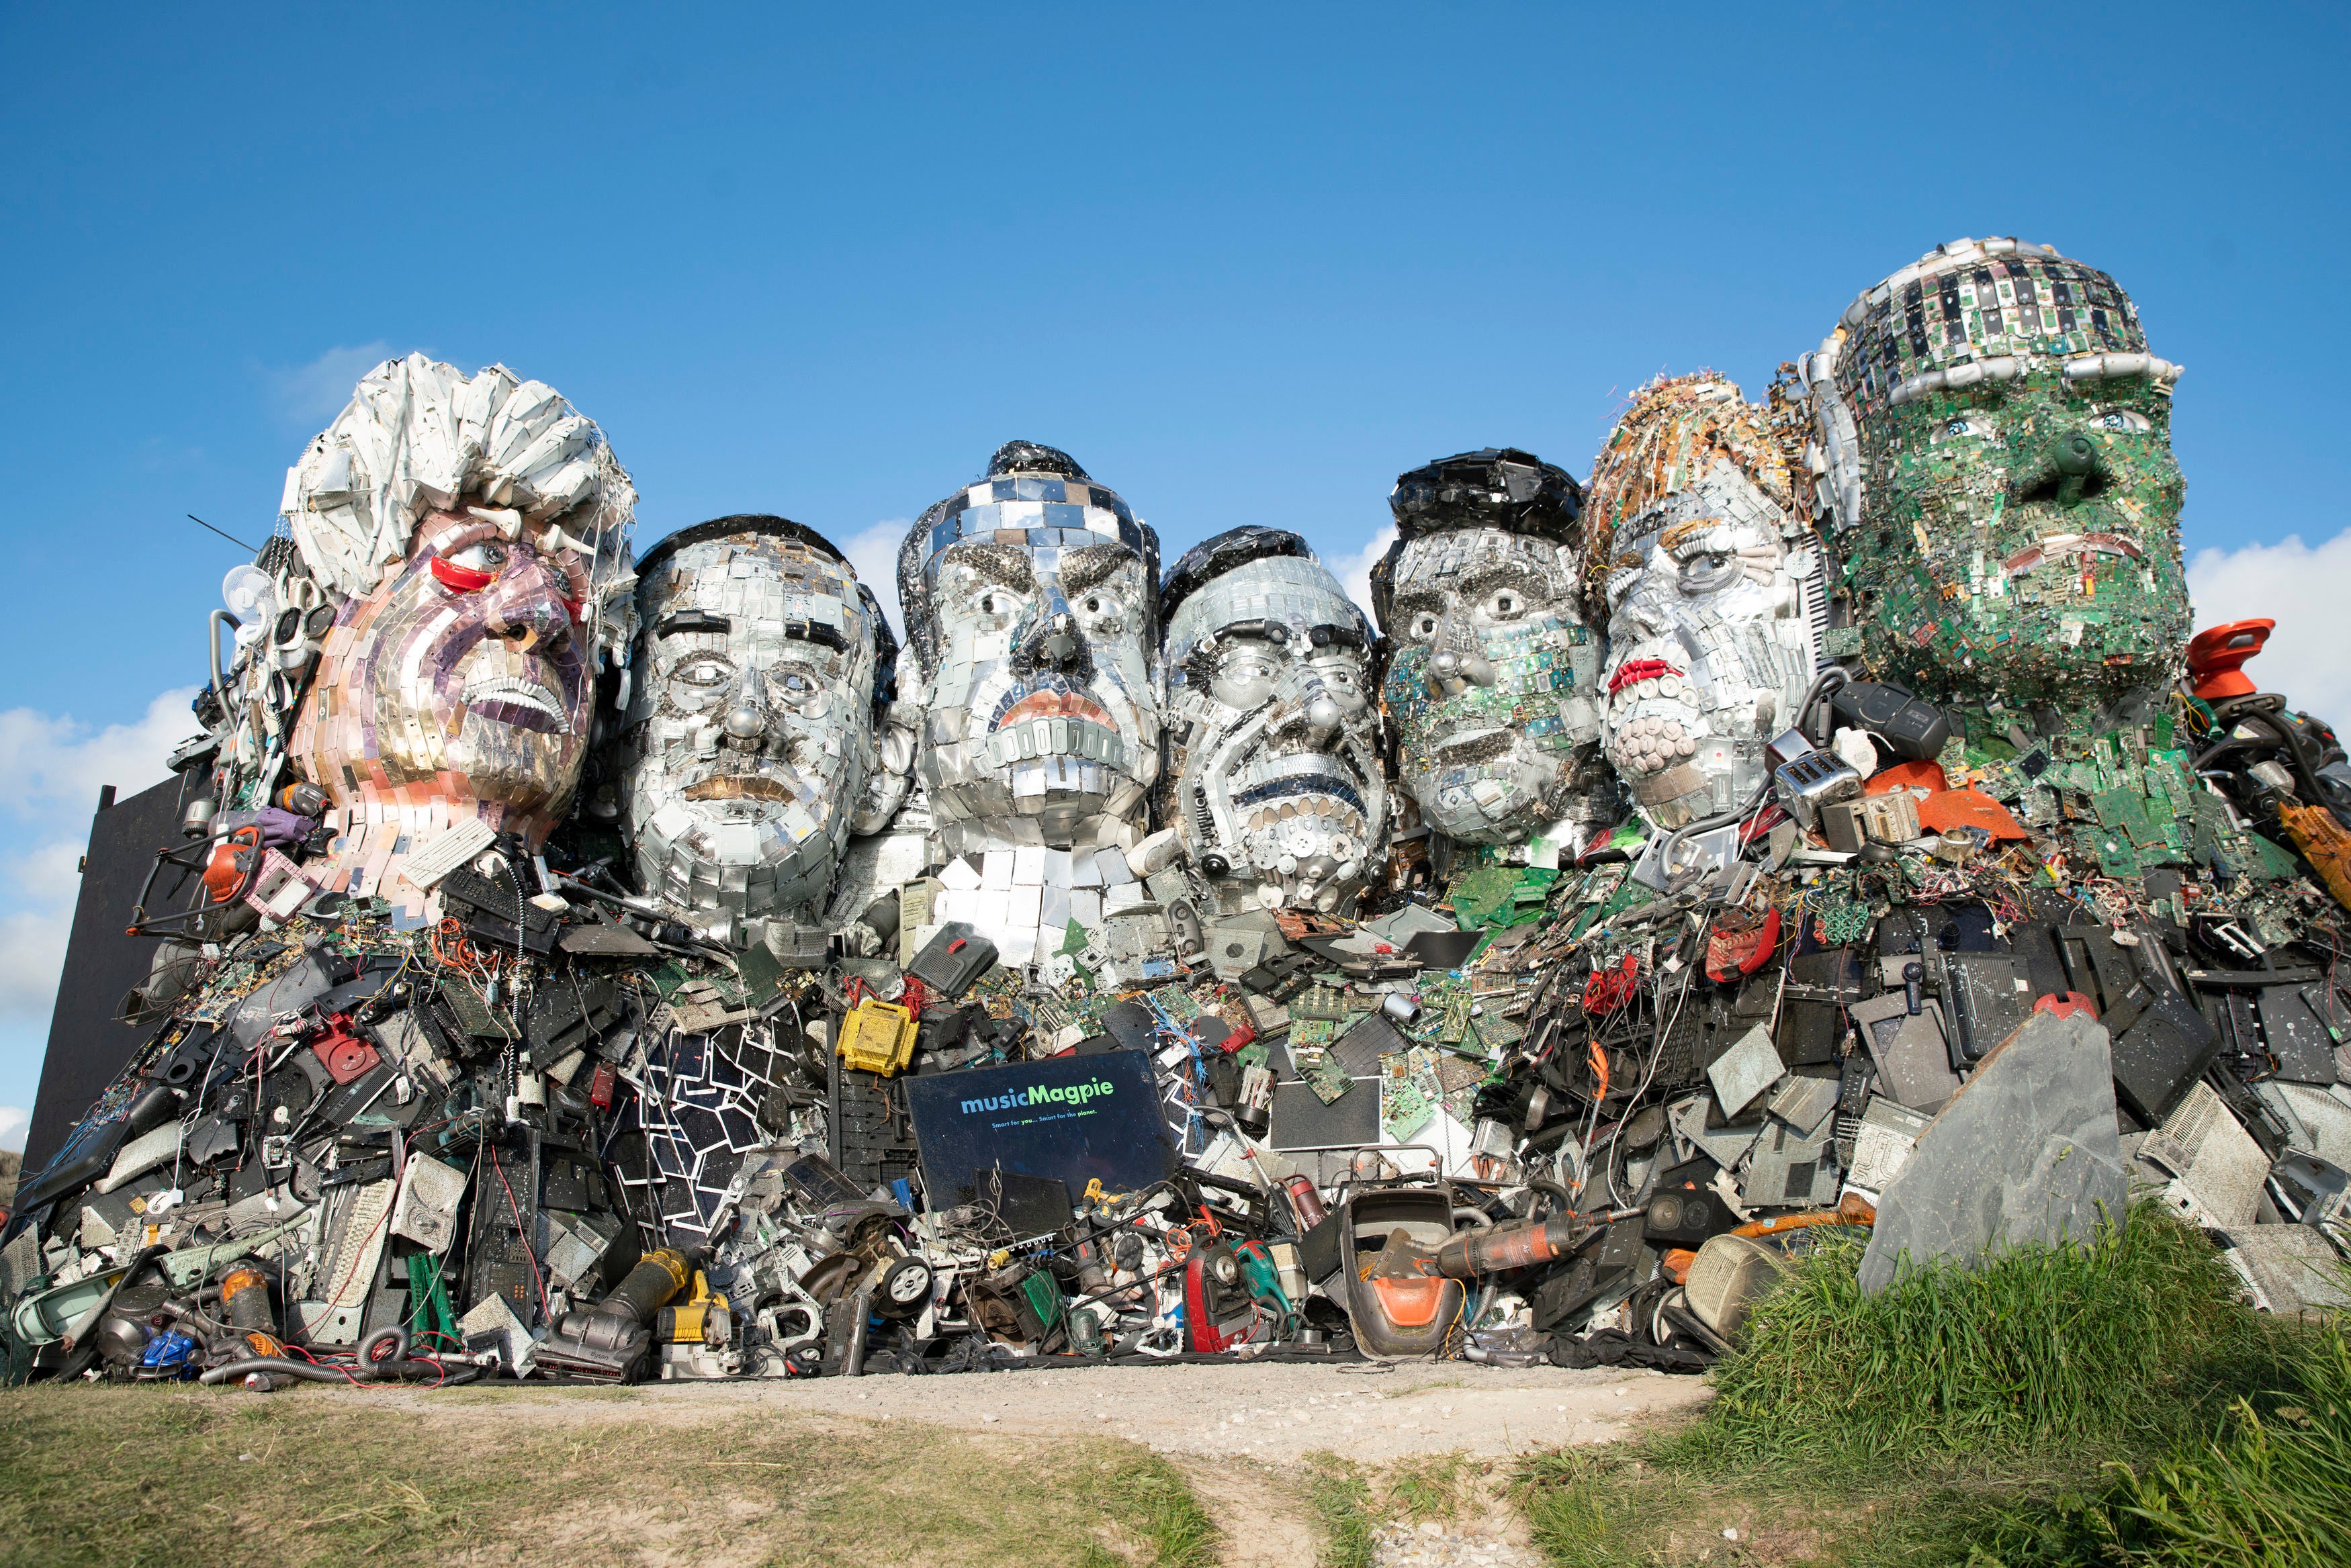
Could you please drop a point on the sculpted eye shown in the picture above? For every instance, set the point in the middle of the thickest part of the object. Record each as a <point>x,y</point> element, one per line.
<point>1964,425</point>
<point>2125,420</point>
<point>483,555</point>
<point>1506,604</point>
<point>997,602</point>
<point>702,672</point>
<point>1423,625</point>
<point>1102,608</point>
<point>470,567</point>
<point>1707,570</point>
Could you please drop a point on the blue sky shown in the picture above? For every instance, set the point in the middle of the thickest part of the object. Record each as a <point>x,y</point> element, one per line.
<point>1246,263</point>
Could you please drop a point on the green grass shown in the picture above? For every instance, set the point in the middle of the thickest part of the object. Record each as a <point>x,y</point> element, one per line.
<point>2105,1404</point>
<point>1341,1501</point>
<point>2272,1489</point>
<point>168,1476</point>
<point>1149,1493</point>
<point>1424,1488</point>
<point>2133,1339</point>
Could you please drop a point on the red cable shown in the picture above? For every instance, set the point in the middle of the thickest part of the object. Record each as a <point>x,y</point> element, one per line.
<point>522,1231</point>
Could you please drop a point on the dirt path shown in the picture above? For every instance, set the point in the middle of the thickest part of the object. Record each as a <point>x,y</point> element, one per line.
<point>1258,1519</point>
<point>1277,1412</point>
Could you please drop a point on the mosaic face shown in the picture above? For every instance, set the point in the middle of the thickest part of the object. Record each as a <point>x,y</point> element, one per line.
<point>1704,569</point>
<point>468,531</point>
<point>463,677</point>
<point>1274,783</point>
<point>1030,601</point>
<point>750,738</point>
<point>1489,680</point>
<point>1997,452</point>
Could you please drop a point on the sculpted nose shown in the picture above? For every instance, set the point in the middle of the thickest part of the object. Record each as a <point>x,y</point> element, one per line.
<point>526,605</point>
<point>2081,468</point>
<point>1054,641</point>
<point>1450,674</point>
<point>745,724</point>
<point>1444,675</point>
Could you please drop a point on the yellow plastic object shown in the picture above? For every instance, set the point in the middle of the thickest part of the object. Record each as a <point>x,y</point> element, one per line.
<point>878,1038</point>
<point>691,1322</point>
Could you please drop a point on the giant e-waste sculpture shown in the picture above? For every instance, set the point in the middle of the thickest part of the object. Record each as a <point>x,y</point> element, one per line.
<point>1138,967</point>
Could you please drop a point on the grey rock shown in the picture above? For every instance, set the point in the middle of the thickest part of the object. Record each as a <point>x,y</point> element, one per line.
<point>2026,1152</point>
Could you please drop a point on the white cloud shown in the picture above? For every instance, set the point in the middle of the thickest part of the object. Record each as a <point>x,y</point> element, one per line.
<point>15,1120</point>
<point>2304,589</point>
<point>1354,572</point>
<point>875,553</point>
<point>51,769</point>
<point>314,393</point>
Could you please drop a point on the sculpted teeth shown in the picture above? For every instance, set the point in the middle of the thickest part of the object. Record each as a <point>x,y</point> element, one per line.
<point>2059,546</point>
<point>525,693</point>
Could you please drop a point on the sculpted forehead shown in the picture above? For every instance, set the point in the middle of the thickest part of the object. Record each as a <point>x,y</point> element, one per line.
<point>1302,595</point>
<point>762,586</point>
<point>1467,560</point>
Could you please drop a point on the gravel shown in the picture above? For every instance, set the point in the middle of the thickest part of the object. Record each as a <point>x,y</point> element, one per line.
<point>1277,1412</point>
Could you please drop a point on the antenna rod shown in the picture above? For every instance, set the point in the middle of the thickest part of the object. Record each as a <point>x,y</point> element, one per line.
<point>230,537</point>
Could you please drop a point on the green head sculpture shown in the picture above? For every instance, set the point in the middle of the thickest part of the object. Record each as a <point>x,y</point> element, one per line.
<point>1994,459</point>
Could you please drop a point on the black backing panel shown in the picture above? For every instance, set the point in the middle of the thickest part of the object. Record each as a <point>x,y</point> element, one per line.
<point>87,1047</point>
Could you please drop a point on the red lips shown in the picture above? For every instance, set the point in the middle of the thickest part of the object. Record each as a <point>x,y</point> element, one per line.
<point>1054,705</point>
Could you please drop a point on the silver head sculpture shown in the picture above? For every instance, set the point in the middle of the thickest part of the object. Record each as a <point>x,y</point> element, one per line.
<point>756,734</point>
<point>1274,785</point>
<point>1491,669</point>
<point>1694,544</point>
<point>1030,598</point>
<point>459,545</point>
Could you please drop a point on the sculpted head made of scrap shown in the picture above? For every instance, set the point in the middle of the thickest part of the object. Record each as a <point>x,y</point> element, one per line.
<point>1491,669</point>
<point>1995,466</point>
<point>1031,599</point>
<point>1274,785</point>
<point>470,528</point>
<point>754,739</point>
<point>1693,544</point>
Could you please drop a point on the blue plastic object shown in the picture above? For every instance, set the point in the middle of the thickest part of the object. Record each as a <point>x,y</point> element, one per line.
<point>169,1355</point>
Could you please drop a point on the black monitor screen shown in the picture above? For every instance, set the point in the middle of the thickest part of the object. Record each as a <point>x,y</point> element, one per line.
<point>1076,1117</point>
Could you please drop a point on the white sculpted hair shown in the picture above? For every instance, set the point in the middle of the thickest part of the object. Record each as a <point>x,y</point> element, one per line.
<point>417,435</point>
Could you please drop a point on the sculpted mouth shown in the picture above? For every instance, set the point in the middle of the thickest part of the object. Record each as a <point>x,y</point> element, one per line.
<point>525,704</point>
<point>1055,705</point>
<point>2060,548</point>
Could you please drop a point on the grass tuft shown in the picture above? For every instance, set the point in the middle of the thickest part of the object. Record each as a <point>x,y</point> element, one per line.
<point>1580,1507</point>
<point>2132,1339</point>
<point>1425,1488</point>
<point>1150,1495</point>
<point>1341,1501</point>
<point>2269,1492</point>
<point>159,1476</point>
<point>2108,1403</point>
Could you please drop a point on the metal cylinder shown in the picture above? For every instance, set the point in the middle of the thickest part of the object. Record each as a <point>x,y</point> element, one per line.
<point>1305,1202</point>
<point>658,1276</point>
<point>1500,1248</point>
<point>244,1300</point>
